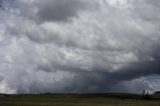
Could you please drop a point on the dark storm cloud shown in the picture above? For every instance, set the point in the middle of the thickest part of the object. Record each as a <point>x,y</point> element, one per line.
<point>59,10</point>
<point>108,46</point>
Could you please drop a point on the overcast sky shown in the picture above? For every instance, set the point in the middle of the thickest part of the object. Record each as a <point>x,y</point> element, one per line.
<point>79,46</point>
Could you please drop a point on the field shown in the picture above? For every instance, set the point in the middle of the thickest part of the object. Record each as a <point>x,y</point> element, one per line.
<point>78,100</point>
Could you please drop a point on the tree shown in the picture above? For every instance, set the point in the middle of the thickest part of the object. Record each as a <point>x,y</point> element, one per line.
<point>145,95</point>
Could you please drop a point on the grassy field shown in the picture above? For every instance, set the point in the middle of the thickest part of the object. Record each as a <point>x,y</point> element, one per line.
<point>78,100</point>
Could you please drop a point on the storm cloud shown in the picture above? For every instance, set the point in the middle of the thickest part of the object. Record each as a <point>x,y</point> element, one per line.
<point>53,10</point>
<point>79,46</point>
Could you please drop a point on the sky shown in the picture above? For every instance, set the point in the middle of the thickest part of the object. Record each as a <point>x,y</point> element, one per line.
<point>79,46</point>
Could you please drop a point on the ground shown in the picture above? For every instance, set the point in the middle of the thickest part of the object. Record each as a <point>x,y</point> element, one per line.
<point>78,100</point>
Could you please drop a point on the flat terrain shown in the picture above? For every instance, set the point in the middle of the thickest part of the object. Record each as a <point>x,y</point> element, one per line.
<point>78,100</point>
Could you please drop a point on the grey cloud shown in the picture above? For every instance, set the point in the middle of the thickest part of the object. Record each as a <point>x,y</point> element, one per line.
<point>1,5</point>
<point>49,10</point>
<point>61,10</point>
<point>108,46</point>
